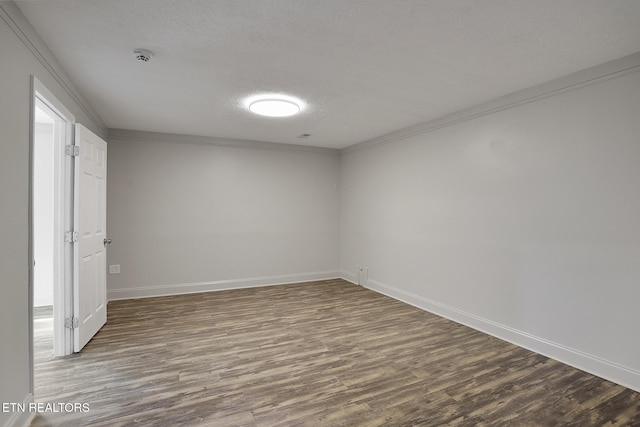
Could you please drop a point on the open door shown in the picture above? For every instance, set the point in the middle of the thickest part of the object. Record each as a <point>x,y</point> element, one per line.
<point>89,260</point>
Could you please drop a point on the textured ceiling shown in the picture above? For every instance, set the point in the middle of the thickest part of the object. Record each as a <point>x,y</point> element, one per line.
<point>366,68</point>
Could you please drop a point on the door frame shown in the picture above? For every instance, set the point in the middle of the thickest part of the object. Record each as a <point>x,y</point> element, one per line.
<point>63,220</point>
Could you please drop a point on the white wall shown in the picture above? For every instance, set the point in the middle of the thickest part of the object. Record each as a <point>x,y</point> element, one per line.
<point>192,216</point>
<point>16,67</point>
<point>524,223</point>
<point>43,215</point>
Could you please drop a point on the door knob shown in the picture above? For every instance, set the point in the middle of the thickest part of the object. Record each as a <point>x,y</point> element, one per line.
<point>106,242</point>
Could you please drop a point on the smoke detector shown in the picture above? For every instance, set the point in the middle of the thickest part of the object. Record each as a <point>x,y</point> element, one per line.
<point>142,55</point>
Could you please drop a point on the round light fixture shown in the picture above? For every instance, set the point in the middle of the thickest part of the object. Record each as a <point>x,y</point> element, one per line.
<point>273,107</point>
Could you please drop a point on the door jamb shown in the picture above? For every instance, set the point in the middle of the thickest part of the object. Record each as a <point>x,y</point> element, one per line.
<point>63,193</point>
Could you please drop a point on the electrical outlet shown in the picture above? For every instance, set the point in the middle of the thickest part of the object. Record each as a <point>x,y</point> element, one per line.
<point>114,269</point>
<point>363,275</point>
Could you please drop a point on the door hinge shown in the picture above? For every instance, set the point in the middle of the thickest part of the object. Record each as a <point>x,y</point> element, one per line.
<point>71,236</point>
<point>71,322</point>
<point>72,150</point>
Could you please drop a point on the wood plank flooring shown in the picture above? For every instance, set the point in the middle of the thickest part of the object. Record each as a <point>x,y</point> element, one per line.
<point>325,353</point>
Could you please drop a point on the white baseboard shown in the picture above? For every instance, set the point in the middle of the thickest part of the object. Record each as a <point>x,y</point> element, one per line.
<point>22,418</point>
<point>611,371</point>
<point>218,285</point>
<point>349,277</point>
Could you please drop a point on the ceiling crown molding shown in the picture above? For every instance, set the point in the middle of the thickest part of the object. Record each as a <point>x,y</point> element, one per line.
<point>586,77</point>
<point>135,135</point>
<point>12,15</point>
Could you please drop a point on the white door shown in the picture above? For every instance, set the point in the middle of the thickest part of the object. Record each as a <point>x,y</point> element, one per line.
<point>89,212</point>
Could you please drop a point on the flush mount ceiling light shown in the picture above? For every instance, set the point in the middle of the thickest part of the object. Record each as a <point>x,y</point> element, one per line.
<point>274,108</point>
<point>273,105</point>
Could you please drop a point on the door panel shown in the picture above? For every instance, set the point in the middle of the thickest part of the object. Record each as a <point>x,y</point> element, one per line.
<point>89,288</point>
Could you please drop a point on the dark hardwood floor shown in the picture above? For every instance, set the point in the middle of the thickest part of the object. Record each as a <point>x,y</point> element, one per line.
<point>326,353</point>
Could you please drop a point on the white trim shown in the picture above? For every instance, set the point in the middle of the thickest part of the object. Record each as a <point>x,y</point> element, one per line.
<point>589,76</point>
<point>128,135</point>
<point>606,369</point>
<point>217,285</point>
<point>12,15</point>
<point>51,101</point>
<point>349,277</point>
<point>22,419</point>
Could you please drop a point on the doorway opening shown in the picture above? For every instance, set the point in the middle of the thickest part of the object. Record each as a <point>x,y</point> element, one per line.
<point>50,215</point>
<point>44,274</point>
<point>67,220</point>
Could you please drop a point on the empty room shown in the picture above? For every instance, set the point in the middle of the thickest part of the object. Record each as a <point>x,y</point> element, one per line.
<point>320,213</point>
